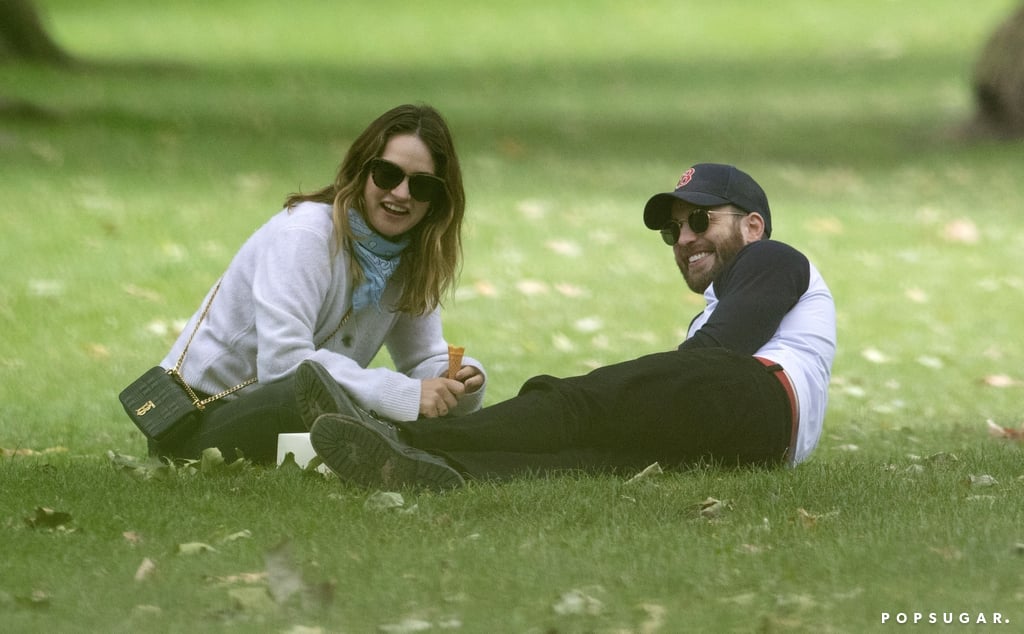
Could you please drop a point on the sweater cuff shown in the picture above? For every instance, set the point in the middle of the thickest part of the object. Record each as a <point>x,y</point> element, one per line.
<point>400,398</point>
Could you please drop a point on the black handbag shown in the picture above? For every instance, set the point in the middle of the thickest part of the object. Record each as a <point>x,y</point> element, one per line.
<point>161,403</point>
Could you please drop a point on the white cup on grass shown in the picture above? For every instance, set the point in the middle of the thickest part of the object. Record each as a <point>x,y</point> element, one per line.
<point>300,447</point>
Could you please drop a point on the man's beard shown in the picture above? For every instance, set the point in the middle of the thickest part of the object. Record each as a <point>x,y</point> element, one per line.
<point>724,252</point>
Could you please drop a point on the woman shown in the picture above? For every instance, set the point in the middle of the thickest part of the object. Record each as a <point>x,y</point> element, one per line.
<point>331,278</point>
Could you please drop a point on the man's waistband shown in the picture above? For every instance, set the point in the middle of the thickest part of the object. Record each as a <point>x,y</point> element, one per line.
<point>794,404</point>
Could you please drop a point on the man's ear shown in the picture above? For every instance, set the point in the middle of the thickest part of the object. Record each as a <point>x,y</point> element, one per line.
<point>752,227</point>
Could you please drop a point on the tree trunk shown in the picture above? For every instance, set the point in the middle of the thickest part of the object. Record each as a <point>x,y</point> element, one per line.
<point>999,82</point>
<point>22,35</point>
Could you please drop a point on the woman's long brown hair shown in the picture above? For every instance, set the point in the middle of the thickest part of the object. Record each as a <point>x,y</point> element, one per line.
<point>430,263</point>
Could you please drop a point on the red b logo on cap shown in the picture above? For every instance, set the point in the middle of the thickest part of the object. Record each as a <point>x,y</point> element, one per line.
<point>685,178</point>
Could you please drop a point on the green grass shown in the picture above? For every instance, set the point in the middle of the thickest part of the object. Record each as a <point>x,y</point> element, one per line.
<point>191,123</point>
<point>828,547</point>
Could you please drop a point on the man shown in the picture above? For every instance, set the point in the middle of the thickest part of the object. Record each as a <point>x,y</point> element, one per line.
<point>749,385</point>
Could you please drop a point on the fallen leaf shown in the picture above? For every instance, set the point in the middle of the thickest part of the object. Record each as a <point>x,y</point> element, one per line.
<point>485,288</point>
<point>512,148</point>
<point>874,355</point>
<point>567,248</point>
<point>243,534</point>
<point>981,498</point>
<point>832,226</point>
<point>195,548</point>
<point>254,600</point>
<point>962,230</point>
<point>562,343</point>
<point>1004,432</point>
<point>849,594</point>
<point>947,552</point>
<point>151,468</point>
<point>712,507</point>
<point>284,579</point>
<point>800,601</point>
<point>38,599</point>
<point>210,460</point>
<point>983,480</point>
<point>589,324</point>
<point>384,501</point>
<point>132,537</point>
<point>248,578</point>
<point>578,602</point>
<point>655,618</point>
<point>97,351</point>
<point>650,470</point>
<point>406,626</point>
<point>942,457</point>
<point>142,293</point>
<point>1000,380</point>
<point>532,287</point>
<point>25,451</point>
<point>810,520</point>
<point>934,363</point>
<point>145,569</point>
<point>48,518</point>
<point>747,598</point>
<point>450,623</point>
<point>569,290</point>
<point>288,462</point>
<point>46,288</point>
<point>916,295</point>
<point>316,466</point>
<point>533,209</point>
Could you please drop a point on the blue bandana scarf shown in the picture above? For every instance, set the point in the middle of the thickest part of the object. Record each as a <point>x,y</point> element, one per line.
<point>379,258</point>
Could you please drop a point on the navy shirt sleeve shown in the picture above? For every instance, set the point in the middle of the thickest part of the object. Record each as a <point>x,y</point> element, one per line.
<point>762,283</point>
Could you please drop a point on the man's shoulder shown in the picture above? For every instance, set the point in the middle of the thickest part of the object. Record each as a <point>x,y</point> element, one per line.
<point>772,249</point>
<point>769,257</point>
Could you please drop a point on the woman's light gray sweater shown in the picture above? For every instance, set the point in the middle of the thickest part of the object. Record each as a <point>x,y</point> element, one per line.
<point>283,294</point>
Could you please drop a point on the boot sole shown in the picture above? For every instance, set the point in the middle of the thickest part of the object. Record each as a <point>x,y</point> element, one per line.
<point>315,398</point>
<point>361,455</point>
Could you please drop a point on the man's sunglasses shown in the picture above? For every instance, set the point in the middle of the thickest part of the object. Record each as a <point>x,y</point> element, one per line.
<point>424,187</point>
<point>699,222</point>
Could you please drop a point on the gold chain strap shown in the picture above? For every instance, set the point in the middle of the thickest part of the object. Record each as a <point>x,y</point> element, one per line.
<point>344,320</point>
<point>201,404</point>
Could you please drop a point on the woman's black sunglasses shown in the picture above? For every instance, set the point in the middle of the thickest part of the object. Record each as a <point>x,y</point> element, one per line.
<point>699,221</point>
<point>424,187</point>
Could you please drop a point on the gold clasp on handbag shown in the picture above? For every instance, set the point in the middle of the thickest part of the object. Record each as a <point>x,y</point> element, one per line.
<point>142,411</point>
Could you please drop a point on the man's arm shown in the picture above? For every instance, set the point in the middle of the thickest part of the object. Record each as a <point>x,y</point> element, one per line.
<point>764,281</point>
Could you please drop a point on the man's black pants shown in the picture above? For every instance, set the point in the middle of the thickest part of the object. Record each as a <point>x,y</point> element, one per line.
<point>679,408</point>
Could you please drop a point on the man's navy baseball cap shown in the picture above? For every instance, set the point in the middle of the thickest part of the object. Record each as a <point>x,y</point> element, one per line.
<point>710,185</point>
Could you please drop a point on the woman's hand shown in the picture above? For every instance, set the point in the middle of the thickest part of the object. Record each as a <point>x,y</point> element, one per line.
<point>439,396</point>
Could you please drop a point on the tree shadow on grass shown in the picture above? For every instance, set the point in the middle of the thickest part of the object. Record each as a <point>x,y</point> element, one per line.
<point>798,111</point>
